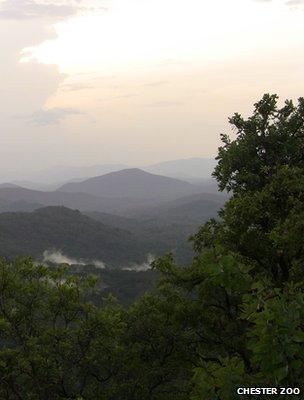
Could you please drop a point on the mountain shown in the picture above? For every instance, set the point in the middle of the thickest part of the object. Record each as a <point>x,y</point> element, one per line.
<point>36,185</point>
<point>117,221</point>
<point>59,229</point>
<point>198,167</point>
<point>133,183</point>
<point>207,185</point>
<point>19,205</point>
<point>168,226</point>
<point>50,179</point>
<point>161,236</point>
<point>44,187</point>
<point>189,210</point>
<point>80,201</point>
<point>8,185</point>
<point>65,173</point>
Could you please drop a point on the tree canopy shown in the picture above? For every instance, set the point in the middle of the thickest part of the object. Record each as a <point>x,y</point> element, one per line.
<point>247,278</point>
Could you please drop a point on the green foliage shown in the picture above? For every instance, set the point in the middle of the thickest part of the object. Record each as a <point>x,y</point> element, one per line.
<point>270,138</point>
<point>246,281</point>
<point>126,286</point>
<point>56,344</point>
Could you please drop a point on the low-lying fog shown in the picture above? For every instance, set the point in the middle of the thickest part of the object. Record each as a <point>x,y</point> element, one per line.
<point>57,257</point>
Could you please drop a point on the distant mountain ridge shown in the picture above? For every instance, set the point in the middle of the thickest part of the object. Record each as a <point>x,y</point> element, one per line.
<point>66,173</point>
<point>50,179</point>
<point>8,185</point>
<point>188,168</point>
<point>81,201</point>
<point>134,183</point>
<point>193,209</point>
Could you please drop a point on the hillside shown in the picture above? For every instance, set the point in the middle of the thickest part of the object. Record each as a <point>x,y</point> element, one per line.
<point>18,205</point>
<point>190,210</point>
<point>75,235</point>
<point>8,185</point>
<point>196,167</point>
<point>194,209</point>
<point>133,183</point>
<point>167,227</point>
<point>81,201</point>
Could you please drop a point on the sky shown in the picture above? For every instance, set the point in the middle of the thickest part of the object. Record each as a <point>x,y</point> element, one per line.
<point>87,82</point>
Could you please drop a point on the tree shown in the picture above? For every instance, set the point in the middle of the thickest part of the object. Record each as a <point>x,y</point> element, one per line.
<point>55,344</point>
<point>246,281</point>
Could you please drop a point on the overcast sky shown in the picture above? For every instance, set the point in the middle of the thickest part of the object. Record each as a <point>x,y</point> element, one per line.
<point>137,81</point>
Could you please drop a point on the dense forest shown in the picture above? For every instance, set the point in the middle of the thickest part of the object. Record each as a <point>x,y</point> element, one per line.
<point>233,317</point>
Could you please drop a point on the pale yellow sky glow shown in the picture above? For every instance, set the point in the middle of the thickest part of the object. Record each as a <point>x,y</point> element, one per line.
<point>137,81</point>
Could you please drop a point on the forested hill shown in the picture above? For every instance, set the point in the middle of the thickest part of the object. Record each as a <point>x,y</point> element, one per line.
<point>68,231</point>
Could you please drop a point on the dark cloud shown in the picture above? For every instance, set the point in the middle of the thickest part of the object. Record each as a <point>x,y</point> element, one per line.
<point>52,116</point>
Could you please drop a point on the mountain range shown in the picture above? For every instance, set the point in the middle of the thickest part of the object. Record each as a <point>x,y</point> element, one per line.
<point>70,232</point>
<point>15,199</point>
<point>117,218</point>
<point>190,210</point>
<point>187,169</point>
<point>192,169</point>
<point>121,192</point>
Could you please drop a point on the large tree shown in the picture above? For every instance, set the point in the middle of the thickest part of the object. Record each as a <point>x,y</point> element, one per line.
<point>246,281</point>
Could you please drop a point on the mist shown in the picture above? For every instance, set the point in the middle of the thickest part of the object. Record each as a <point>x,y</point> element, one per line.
<point>57,257</point>
<point>145,266</point>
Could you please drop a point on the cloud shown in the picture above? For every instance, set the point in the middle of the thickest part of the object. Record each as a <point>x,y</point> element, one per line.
<point>290,3</point>
<point>295,3</point>
<point>52,116</point>
<point>36,9</point>
<point>31,9</point>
